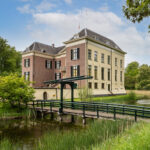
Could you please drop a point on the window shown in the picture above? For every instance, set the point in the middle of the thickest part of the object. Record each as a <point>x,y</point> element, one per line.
<point>109,60</point>
<point>27,76</point>
<point>102,58</point>
<point>89,54</point>
<point>90,85</point>
<point>121,63</point>
<point>89,70</point>
<point>103,86</point>
<point>102,73</point>
<point>45,95</point>
<point>95,85</point>
<point>57,64</point>
<point>57,76</point>
<point>26,62</point>
<point>95,72</point>
<point>115,75</point>
<point>75,71</point>
<point>108,74</point>
<point>75,53</point>
<point>95,56</point>
<point>48,64</point>
<point>120,76</point>
<point>115,61</point>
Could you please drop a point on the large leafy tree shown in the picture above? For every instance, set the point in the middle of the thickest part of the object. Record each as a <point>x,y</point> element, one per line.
<point>15,90</point>
<point>131,73</point>
<point>10,59</point>
<point>137,10</point>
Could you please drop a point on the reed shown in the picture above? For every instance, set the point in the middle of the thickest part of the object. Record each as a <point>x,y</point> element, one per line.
<point>136,138</point>
<point>95,133</point>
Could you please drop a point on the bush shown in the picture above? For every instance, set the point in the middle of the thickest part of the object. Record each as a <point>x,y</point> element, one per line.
<point>132,98</point>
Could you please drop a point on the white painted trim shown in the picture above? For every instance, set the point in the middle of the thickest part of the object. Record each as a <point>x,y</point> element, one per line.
<point>76,43</point>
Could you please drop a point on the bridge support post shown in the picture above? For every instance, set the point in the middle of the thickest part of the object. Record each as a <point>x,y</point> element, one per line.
<point>72,119</point>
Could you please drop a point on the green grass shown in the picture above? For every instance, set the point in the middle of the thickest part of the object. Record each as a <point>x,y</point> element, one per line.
<point>136,138</point>
<point>119,99</point>
<point>6,111</point>
<point>5,144</point>
<point>95,133</point>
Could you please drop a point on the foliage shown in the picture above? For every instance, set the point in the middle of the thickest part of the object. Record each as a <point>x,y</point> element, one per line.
<point>10,59</point>
<point>15,89</point>
<point>131,73</point>
<point>136,138</point>
<point>137,77</point>
<point>85,94</point>
<point>96,132</point>
<point>7,145</point>
<point>137,10</point>
<point>132,98</point>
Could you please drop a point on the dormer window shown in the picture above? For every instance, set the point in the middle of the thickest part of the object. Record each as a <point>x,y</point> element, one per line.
<point>76,36</point>
<point>44,51</point>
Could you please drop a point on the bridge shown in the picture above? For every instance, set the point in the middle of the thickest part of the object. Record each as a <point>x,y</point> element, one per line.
<point>86,109</point>
<point>90,109</point>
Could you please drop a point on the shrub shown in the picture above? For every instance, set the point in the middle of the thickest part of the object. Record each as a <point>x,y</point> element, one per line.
<point>132,98</point>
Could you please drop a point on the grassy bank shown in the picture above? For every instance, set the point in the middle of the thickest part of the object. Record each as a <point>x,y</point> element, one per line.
<point>95,133</point>
<point>7,112</point>
<point>119,99</point>
<point>136,138</point>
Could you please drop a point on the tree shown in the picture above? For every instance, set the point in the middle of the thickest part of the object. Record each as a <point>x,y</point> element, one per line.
<point>137,10</point>
<point>10,59</point>
<point>131,73</point>
<point>15,89</point>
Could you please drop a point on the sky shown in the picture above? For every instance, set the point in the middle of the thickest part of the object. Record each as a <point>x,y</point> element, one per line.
<point>23,22</point>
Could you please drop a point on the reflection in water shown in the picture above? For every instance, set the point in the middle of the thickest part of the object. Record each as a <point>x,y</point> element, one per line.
<point>27,132</point>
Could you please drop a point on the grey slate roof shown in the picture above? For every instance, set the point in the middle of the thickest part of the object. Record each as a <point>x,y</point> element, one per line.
<point>95,36</point>
<point>36,46</point>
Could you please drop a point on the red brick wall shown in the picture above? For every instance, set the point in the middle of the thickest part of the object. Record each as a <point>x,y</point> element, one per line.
<point>41,73</point>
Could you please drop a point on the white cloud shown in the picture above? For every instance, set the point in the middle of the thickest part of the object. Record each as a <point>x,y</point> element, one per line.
<point>59,27</point>
<point>68,1</point>
<point>25,9</point>
<point>42,7</point>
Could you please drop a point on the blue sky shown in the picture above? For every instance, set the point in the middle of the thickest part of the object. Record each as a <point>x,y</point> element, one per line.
<point>55,21</point>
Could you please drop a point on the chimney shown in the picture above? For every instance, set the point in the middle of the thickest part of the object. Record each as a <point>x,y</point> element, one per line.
<point>53,45</point>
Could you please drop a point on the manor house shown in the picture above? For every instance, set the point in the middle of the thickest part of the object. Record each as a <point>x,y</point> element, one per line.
<point>86,53</point>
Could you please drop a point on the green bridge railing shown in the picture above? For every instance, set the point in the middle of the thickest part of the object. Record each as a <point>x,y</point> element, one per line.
<point>130,110</point>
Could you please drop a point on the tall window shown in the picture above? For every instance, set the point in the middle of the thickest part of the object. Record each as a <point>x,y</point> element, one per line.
<point>102,58</point>
<point>89,54</point>
<point>121,63</point>
<point>115,61</point>
<point>109,60</point>
<point>115,75</point>
<point>75,54</point>
<point>96,85</point>
<point>95,72</point>
<point>89,85</point>
<point>57,64</point>
<point>102,73</point>
<point>95,56</point>
<point>109,74</point>
<point>27,76</point>
<point>75,71</point>
<point>89,70</point>
<point>103,86</point>
<point>48,64</point>
<point>120,76</point>
<point>57,76</point>
<point>27,62</point>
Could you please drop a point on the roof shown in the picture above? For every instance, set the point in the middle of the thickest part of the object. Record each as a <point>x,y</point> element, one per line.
<point>36,46</point>
<point>97,37</point>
